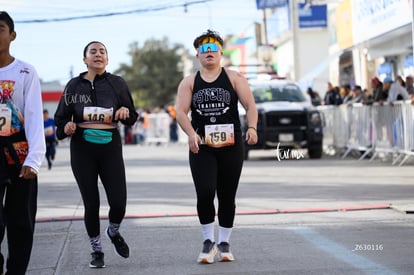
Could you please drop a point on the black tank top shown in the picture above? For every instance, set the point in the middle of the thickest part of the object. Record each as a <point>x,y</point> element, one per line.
<point>214,103</point>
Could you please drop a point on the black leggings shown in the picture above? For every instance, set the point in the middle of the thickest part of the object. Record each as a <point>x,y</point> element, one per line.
<point>18,216</point>
<point>90,160</point>
<point>217,170</point>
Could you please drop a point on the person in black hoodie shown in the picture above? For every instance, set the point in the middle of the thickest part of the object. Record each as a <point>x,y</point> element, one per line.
<point>332,96</point>
<point>89,110</point>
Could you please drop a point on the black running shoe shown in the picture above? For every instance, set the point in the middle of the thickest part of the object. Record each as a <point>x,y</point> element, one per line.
<point>97,260</point>
<point>120,246</point>
<point>208,253</point>
<point>224,252</point>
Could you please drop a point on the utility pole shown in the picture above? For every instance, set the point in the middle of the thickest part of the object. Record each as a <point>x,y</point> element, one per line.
<point>412,27</point>
<point>295,29</point>
<point>266,41</point>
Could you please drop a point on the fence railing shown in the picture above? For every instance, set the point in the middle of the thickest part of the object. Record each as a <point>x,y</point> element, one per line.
<point>378,130</point>
<point>373,130</point>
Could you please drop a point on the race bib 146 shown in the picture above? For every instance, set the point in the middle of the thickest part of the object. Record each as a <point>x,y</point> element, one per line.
<point>97,114</point>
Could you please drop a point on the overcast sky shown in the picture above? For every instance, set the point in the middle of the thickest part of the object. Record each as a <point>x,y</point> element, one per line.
<point>56,47</point>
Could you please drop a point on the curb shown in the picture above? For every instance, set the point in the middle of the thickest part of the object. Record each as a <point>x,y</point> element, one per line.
<point>241,212</point>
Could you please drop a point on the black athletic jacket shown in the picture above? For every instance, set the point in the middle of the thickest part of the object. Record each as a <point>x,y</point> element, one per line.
<point>106,90</point>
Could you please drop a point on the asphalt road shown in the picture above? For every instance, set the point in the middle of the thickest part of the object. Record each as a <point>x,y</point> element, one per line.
<point>294,216</point>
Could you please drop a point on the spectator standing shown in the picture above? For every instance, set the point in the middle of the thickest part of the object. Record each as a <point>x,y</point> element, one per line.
<point>332,96</point>
<point>128,134</point>
<point>50,138</point>
<point>401,81</point>
<point>89,111</point>
<point>397,92</point>
<point>142,125</point>
<point>409,85</point>
<point>173,124</point>
<point>22,149</point>
<point>377,88</point>
<point>369,99</point>
<point>314,96</point>
<point>345,93</point>
<point>385,89</point>
<point>359,96</point>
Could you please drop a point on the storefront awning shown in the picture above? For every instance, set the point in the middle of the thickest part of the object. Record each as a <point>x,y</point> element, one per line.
<point>397,42</point>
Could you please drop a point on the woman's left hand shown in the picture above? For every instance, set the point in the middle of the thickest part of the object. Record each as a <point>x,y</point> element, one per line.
<point>122,113</point>
<point>251,136</point>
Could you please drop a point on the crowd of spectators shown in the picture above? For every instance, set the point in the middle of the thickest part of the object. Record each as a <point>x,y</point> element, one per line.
<point>137,134</point>
<point>388,91</point>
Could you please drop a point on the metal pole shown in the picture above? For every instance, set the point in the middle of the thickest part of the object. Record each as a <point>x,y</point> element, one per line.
<point>412,27</point>
<point>295,29</point>
<point>265,26</point>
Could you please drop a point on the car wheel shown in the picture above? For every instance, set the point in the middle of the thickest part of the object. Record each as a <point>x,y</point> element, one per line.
<point>315,151</point>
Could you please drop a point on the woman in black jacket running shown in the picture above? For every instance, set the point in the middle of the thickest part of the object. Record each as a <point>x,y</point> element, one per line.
<point>91,106</point>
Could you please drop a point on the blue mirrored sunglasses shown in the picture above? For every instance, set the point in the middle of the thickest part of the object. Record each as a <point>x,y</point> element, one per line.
<point>205,47</point>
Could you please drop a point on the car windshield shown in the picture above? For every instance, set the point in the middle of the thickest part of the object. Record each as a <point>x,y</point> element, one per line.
<point>289,92</point>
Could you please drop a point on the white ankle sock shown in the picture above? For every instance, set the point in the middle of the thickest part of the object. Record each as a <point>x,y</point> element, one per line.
<point>208,231</point>
<point>224,234</point>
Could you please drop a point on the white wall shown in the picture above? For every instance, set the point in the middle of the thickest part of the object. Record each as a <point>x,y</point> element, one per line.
<point>313,57</point>
<point>284,60</point>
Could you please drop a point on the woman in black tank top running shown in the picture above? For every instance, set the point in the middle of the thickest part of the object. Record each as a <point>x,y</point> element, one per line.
<point>215,140</point>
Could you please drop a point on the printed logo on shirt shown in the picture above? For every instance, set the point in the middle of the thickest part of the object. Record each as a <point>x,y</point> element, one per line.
<point>11,119</point>
<point>6,90</point>
<point>25,71</point>
<point>212,101</point>
<point>22,150</point>
<point>77,98</point>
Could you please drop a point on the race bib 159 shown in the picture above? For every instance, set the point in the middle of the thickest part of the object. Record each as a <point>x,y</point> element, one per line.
<point>219,135</point>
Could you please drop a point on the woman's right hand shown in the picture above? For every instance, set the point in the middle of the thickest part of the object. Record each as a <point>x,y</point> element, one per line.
<point>70,128</point>
<point>193,142</point>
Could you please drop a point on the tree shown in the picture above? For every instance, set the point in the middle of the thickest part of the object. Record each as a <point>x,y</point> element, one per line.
<point>154,73</point>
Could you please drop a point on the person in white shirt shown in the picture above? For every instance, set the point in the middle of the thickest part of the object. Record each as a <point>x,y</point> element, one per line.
<point>396,91</point>
<point>22,149</point>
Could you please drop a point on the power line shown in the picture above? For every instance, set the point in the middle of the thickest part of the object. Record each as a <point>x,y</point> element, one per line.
<point>154,9</point>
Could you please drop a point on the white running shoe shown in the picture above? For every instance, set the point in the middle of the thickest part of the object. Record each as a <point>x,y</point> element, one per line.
<point>224,252</point>
<point>208,253</point>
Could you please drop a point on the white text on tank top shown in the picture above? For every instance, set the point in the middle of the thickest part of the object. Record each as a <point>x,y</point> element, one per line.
<point>214,102</point>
